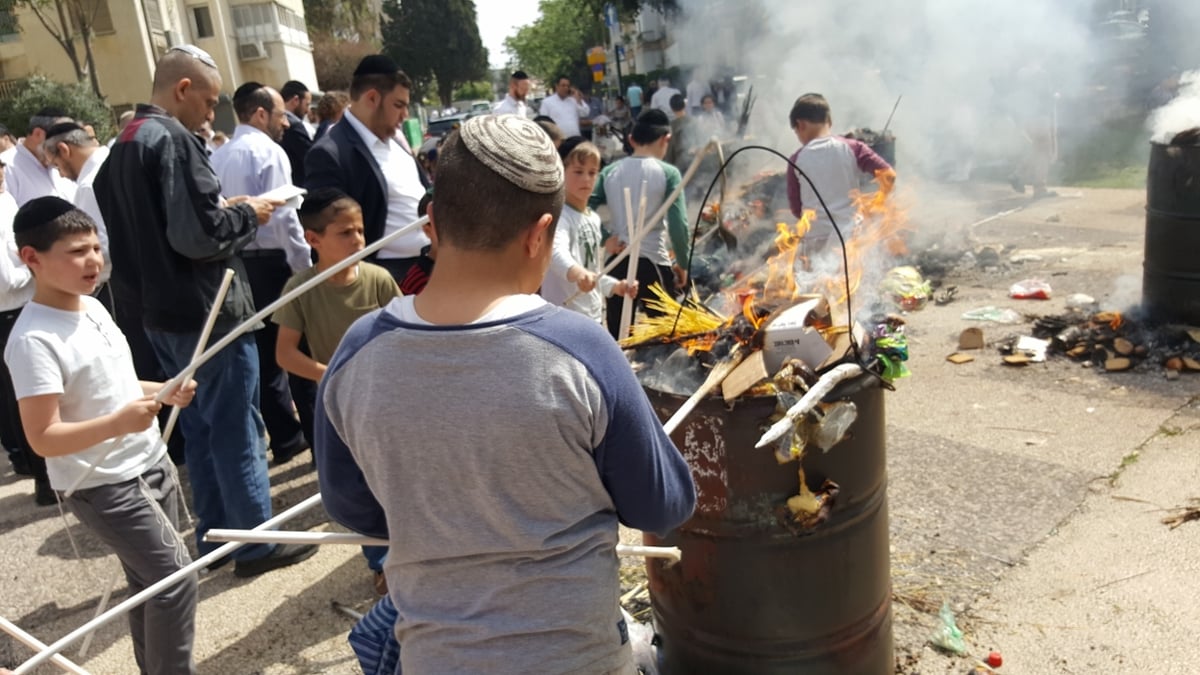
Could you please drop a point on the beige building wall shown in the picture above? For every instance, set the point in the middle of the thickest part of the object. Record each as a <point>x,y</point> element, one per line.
<point>263,41</point>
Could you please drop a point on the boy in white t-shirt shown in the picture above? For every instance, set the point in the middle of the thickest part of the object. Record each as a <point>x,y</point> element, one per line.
<point>574,280</point>
<point>81,401</point>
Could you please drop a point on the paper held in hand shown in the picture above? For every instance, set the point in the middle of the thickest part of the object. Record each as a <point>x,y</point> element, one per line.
<point>289,194</point>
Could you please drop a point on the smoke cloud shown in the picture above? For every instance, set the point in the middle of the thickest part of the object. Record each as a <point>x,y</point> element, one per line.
<point>1181,113</point>
<point>955,62</point>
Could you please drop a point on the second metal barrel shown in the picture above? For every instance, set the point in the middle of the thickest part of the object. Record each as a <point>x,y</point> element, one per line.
<point>1171,267</point>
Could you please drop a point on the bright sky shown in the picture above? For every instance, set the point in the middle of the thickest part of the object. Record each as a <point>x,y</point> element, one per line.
<point>499,19</point>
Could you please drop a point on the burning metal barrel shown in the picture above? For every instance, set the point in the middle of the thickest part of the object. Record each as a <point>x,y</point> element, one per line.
<point>1171,268</point>
<point>754,593</point>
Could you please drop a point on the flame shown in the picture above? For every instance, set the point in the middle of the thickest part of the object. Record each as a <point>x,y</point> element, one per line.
<point>881,225</point>
<point>1117,321</point>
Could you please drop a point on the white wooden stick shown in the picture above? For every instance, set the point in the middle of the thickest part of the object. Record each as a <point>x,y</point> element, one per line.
<point>35,644</point>
<point>715,377</point>
<point>171,385</point>
<point>809,401</point>
<point>659,214</point>
<point>631,275</point>
<point>352,539</point>
<point>157,587</point>
<point>265,313</point>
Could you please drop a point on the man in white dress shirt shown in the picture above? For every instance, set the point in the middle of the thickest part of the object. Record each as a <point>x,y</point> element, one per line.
<point>565,107</point>
<point>514,100</point>
<point>78,156</point>
<point>363,157</point>
<point>8,145</point>
<point>29,174</point>
<point>16,289</point>
<point>662,98</point>
<point>253,163</point>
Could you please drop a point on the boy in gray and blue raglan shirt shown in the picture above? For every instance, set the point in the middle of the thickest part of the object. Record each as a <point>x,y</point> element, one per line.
<point>495,440</point>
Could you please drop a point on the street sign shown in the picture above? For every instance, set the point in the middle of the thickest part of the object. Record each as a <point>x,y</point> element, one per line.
<point>610,15</point>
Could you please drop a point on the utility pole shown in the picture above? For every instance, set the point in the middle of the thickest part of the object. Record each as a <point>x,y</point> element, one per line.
<point>614,32</point>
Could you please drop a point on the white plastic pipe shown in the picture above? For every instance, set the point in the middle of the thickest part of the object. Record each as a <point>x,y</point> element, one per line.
<point>352,539</point>
<point>35,644</point>
<point>270,309</point>
<point>226,282</point>
<point>157,587</point>
<point>631,274</point>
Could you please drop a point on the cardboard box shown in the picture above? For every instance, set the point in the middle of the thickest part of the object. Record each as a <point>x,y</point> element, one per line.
<point>790,336</point>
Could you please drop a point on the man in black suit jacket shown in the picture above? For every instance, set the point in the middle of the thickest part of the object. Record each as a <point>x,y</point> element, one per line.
<point>296,142</point>
<point>364,156</point>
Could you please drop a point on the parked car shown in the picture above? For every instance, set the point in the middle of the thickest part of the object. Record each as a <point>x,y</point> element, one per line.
<point>444,125</point>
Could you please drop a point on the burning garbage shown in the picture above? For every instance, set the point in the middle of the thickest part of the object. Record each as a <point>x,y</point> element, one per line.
<point>782,330</point>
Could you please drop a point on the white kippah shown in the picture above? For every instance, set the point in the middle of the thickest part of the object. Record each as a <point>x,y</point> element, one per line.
<point>515,148</point>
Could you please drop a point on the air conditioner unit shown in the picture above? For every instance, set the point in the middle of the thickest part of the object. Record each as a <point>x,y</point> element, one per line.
<point>652,35</point>
<point>252,51</point>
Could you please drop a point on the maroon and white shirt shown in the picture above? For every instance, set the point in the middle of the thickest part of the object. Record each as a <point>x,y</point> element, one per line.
<point>837,166</point>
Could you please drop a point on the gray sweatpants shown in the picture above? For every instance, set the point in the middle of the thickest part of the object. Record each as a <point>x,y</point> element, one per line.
<point>139,519</point>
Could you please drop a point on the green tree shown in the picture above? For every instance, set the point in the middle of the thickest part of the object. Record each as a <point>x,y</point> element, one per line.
<point>77,100</point>
<point>68,22</point>
<point>436,42</point>
<point>557,43</point>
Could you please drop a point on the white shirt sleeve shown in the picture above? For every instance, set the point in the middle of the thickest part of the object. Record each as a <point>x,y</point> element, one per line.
<point>290,233</point>
<point>561,259</point>
<point>34,368</point>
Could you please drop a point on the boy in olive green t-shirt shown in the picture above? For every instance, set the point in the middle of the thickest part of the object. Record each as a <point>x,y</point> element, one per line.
<point>333,227</point>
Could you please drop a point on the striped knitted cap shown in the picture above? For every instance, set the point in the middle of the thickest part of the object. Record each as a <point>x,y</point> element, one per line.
<point>516,149</point>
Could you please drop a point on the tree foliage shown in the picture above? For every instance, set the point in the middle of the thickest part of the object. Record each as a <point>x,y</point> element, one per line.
<point>68,21</point>
<point>557,43</point>
<point>347,20</point>
<point>78,100</point>
<point>436,42</point>
<point>335,59</point>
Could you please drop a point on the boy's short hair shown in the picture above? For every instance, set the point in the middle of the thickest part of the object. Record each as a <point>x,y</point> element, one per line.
<point>651,125</point>
<point>577,150</point>
<point>810,108</point>
<point>322,206</point>
<point>45,220</point>
<point>496,176</point>
<point>678,102</point>
<point>552,130</point>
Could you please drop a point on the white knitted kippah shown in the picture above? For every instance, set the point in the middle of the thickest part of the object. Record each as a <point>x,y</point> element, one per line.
<point>515,148</point>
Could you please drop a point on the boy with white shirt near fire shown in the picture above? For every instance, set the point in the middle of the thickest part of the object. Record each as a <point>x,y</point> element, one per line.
<point>574,280</point>
<point>81,402</point>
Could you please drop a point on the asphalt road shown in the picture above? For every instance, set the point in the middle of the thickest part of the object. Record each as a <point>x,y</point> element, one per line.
<point>1028,498</point>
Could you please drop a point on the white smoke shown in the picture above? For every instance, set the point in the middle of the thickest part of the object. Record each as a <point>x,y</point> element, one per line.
<point>1181,113</point>
<point>953,61</point>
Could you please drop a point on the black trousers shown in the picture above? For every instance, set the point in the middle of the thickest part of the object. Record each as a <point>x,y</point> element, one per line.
<point>126,310</point>
<point>647,273</point>
<point>267,272</point>
<point>12,434</point>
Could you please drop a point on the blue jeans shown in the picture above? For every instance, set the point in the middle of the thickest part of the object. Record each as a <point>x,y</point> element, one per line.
<point>375,556</point>
<point>226,446</point>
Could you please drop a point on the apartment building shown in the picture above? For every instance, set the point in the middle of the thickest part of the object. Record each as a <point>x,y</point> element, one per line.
<point>250,40</point>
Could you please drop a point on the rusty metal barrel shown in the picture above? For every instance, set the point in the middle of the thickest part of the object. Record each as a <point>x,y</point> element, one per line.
<point>1171,267</point>
<point>753,595</point>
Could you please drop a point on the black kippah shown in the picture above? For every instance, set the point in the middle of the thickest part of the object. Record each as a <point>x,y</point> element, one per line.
<point>376,64</point>
<point>317,200</point>
<point>564,150</point>
<point>62,128</point>
<point>38,212</point>
<point>520,75</point>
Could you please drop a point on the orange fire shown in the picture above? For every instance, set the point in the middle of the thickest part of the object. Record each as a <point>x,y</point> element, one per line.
<point>880,225</point>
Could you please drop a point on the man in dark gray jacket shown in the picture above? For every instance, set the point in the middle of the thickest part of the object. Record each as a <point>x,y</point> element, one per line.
<point>172,237</point>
